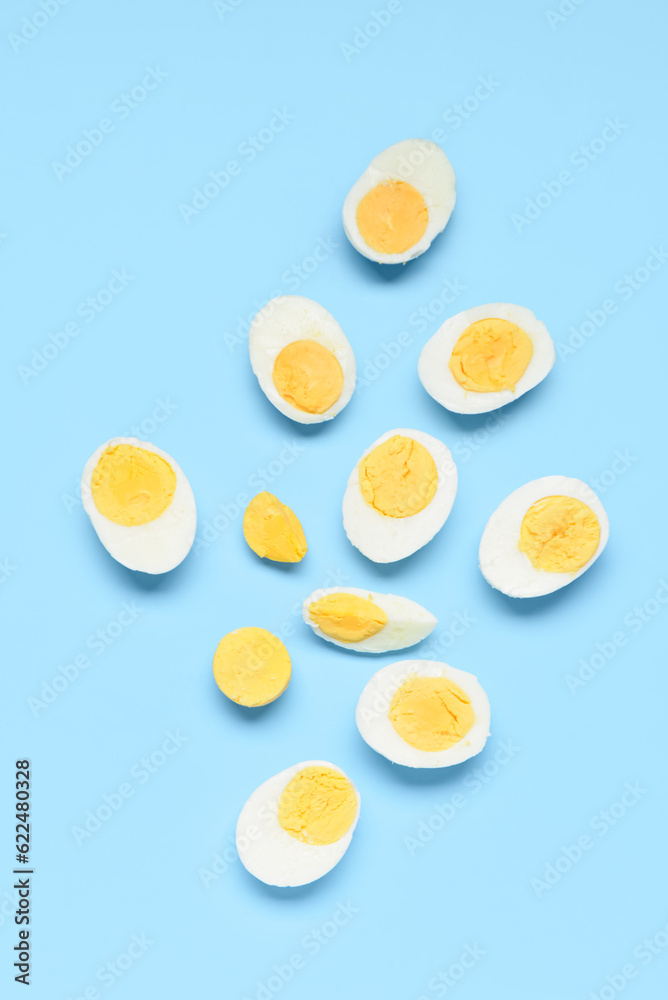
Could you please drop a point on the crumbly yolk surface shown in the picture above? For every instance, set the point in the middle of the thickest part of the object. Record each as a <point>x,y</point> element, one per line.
<point>559,534</point>
<point>273,530</point>
<point>392,217</point>
<point>347,617</point>
<point>431,713</point>
<point>491,355</point>
<point>251,666</point>
<point>317,806</point>
<point>308,376</point>
<point>398,478</point>
<point>132,486</point>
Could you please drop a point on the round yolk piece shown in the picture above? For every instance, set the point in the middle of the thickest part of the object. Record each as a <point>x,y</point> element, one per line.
<point>274,531</point>
<point>251,666</point>
<point>398,478</point>
<point>347,617</point>
<point>308,376</point>
<point>491,355</point>
<point>559,534</point>
<point>431,713</point>
<point>132,486</point>
<point>317,806</point>
<point>392,217</point>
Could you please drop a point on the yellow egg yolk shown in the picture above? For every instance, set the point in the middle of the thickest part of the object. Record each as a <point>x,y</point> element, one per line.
<point>491,355</point>
<point>274,531</point>
<point>559,534</point>
<point>431,713</point>
<point>317,806</point>
<point>398,478</point>
<point>308,376</point>
<point>251,666</point>
<point>131,485</point>
<point>347,617</point>
<point>392,217</point>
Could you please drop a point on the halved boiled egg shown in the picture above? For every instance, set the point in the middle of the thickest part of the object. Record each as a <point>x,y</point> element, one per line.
<point>302,359</point>
<point>401,202</point>
<point>140,504</point>
<point>365,621</point>
<point>399,495</point>
<point>297,825</point>
<point>543,536</point>
<point>485,357</point>
<point>422,713</point>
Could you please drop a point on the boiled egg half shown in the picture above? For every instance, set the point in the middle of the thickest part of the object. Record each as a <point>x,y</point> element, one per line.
<point>365,621</point>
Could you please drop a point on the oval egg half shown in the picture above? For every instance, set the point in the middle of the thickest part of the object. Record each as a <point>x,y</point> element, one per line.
<point>365,621</point>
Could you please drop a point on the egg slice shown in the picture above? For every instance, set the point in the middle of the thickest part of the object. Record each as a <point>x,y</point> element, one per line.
<point>543,536</point>
<point>365,621</point>
<point>251,666</point>
<point>422,713</point>
<point>302,359</point>
<point>273,531</point>
<point>485,357</point>
<point>140,503</point>
<point>399,495</point>
<point>401,202</point>
<point>297,825</point>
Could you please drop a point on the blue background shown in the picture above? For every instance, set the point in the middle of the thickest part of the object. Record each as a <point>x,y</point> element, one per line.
<point>176,333</point>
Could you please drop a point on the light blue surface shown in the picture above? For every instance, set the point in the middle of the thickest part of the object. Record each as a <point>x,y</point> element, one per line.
<point>169,335</point>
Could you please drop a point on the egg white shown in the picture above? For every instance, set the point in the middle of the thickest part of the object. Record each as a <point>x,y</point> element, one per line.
<point>159,545</point>
<point>439,381</point>
<point>268,852</point>
<point>419,162</point>
<point>376,729</point>
<point>501,562</point>
<point>279,323</point>
<point>407,622</point>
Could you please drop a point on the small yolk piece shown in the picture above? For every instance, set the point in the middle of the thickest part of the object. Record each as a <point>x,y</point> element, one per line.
<point>431,713</point>
<point>308,376</point>
<point>392,217</point>
<point>347,617</point>
<point>317,806</point>
<point>274,531</point>
<point>132,486</point>
<point>251,666</point>
<point>398,478</point>
<point>559,534</point>
<point>491,355</point>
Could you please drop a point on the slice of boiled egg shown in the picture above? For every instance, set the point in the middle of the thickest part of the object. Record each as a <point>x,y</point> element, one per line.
<point>140,504</point>
<point>422,713</point>
<point>297,825</point>
<point>302,359</point>
<point>399,495</point>
<point>401,202</point>
<point>485,357</point>
<point>365,621</point>
<point>543,536</point>
<point>273,531</point>
<point>251,666</point>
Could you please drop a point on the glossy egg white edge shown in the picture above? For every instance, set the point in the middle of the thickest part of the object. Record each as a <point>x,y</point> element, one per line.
<point>279,323</point>
<point>429,170</point>
<point>268,852</point>
<point>407,624</point>
<point>441,384</point>
<point>501,562</point>
<point>386,539</point>
<point>377,730</point>
<point>158,546</point>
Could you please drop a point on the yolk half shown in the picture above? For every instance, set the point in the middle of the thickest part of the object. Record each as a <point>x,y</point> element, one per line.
<point>251,666</point>
<point>273,530</point>
<point>317,806</point>
<point>559,534</point>
<point>398,478</point>
<point>347,617</point>
<point>491,355</point>
<point>431,713</point>
<point>308,376</point>
<point>392,217</point>
<point>131,485</point>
